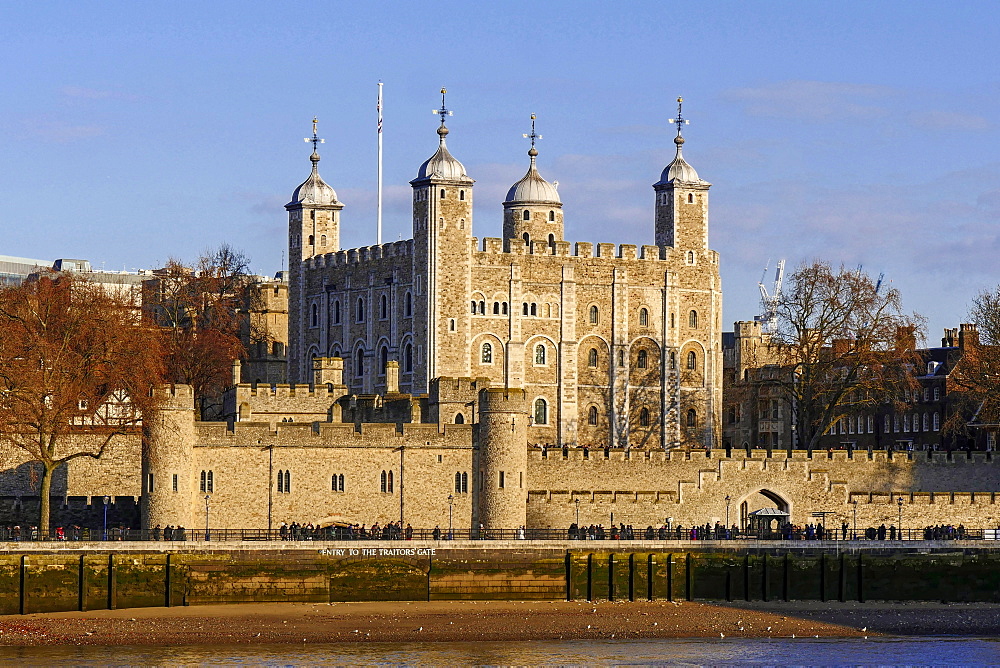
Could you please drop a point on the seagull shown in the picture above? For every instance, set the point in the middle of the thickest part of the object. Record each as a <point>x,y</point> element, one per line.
<point>864,628</point>
<point>722,635</point>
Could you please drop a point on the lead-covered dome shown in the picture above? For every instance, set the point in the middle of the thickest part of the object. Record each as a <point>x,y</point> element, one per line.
<point>314,190</point>
<point>679,170</point>
<point>442,165</point>
<point>532,187</point>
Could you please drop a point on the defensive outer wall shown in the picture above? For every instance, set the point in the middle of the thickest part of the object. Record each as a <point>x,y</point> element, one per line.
<point>88,577</point>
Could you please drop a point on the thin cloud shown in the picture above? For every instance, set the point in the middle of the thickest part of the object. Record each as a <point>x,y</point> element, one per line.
<point>61,132</point>
<point>815,101</point>
<point>931,120</point>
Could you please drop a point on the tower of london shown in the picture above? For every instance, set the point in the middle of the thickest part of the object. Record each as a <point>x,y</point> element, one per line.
<point>614,345</point>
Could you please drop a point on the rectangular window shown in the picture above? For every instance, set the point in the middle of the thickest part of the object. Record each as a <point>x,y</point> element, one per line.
<point>211,482</point>
<point>149,482</point>
<point>501,479</point>
<point>203,486</point>
<point>174,482</point>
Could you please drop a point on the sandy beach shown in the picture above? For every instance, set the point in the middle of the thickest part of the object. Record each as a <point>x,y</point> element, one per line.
<point>490,621</point>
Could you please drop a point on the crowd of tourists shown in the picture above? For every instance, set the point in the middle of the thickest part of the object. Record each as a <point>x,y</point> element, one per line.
<point>310,531</point>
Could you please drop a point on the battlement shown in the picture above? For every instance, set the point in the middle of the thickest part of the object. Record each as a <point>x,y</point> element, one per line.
<point>457,389</point>
<point>502,400</point>
<point>176,397</point>
<point>361,255</point>
<point>332,434</point>
<point>285,391</point>
<point>580,249</point>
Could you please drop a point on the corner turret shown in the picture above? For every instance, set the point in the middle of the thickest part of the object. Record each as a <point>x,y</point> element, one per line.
<point>533,210</point>
<point>681,200</point>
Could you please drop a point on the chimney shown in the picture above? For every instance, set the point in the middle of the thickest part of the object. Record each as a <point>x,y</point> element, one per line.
<point>950,338</point>
<point>237,372</point>
<point>392,377</point>
<point>906,338</point>
<point>968,335</point>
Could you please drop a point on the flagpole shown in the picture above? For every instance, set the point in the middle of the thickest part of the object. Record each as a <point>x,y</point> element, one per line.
<point>378,238</point>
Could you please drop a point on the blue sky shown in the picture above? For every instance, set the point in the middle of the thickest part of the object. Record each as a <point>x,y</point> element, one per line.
<point>857,132</point>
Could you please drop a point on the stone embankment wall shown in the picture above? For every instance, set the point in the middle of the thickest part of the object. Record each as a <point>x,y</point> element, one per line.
<point>36,579</point>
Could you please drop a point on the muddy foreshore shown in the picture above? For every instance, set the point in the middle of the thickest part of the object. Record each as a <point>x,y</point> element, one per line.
<point>450,621</point>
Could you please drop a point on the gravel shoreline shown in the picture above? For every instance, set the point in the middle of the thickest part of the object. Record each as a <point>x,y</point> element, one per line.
<point>446,621</point>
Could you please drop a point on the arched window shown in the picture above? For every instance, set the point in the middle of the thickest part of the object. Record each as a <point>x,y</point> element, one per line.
<point>359,362</point>
<point>644,417</point>
<point>592,357</point>
<point>288,481</point>
<point>383,307</point>
<point>592,415</point>
<point>692,417</point>
<point>690,257</point>
<point>552,240</point>
<point>693,319</point>
<point>496,308</point>
<point>383,359</point>
<point>408,305</point>
<point>461,195</point>
<point>458,483</point>
<point>408,358</point>
<point>527,239</point>
<point>385,482</point>
<point>594,315</point>
<point>442,193</point>
<point>487,353</point>
<point>641,359</point>
<point>643,317</point>
<point>527,215</point>
<point>482,307</point>
<point>459,418</point>
<point>322,240</point>
<point>534,308</point>
<point>552,216</point>
<point>390,481</point>
<point>281,481</point>
<point>503,308</point>
<point>690,198</point>
<point>314,319</point>
<point>525,308</point>
<point>361,310</point>
<point>692,361</point>
<point>541,412</point>
<point>926,422</point>
<point>473,307</point>
<point>336,312</point>
<point>937,421</point>
<point>311,240</point>
<point>465,483</point>
<point>540,354</point>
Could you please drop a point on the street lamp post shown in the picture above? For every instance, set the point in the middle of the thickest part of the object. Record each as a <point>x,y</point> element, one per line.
<point>207,536</point>
<point>854,527</point>
<point>577,513</point>
<point>728,501</point>
<point>451,506</point>
<point>899,525</point>
<point>107,500</point>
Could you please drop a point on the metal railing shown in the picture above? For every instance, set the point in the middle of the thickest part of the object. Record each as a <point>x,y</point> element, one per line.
<point>296,534</point>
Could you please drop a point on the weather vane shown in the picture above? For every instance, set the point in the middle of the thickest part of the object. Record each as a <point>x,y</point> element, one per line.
<point>443,111</point>
<point>680,120</point>
<point>533,136</point>
<point>315,138</point>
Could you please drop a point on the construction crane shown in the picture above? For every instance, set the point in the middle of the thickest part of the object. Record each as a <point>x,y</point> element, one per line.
<point>769,302</point>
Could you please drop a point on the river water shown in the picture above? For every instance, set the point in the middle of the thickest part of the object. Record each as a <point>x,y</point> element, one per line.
<point>921,651</point>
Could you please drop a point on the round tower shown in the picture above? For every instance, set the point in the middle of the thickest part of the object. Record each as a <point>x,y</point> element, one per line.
<point>503,458</point>
<point>168,477</point>
<point>532,210</point>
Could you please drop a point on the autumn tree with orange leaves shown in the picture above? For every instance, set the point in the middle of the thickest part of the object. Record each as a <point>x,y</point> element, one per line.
<point>77,368</point>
